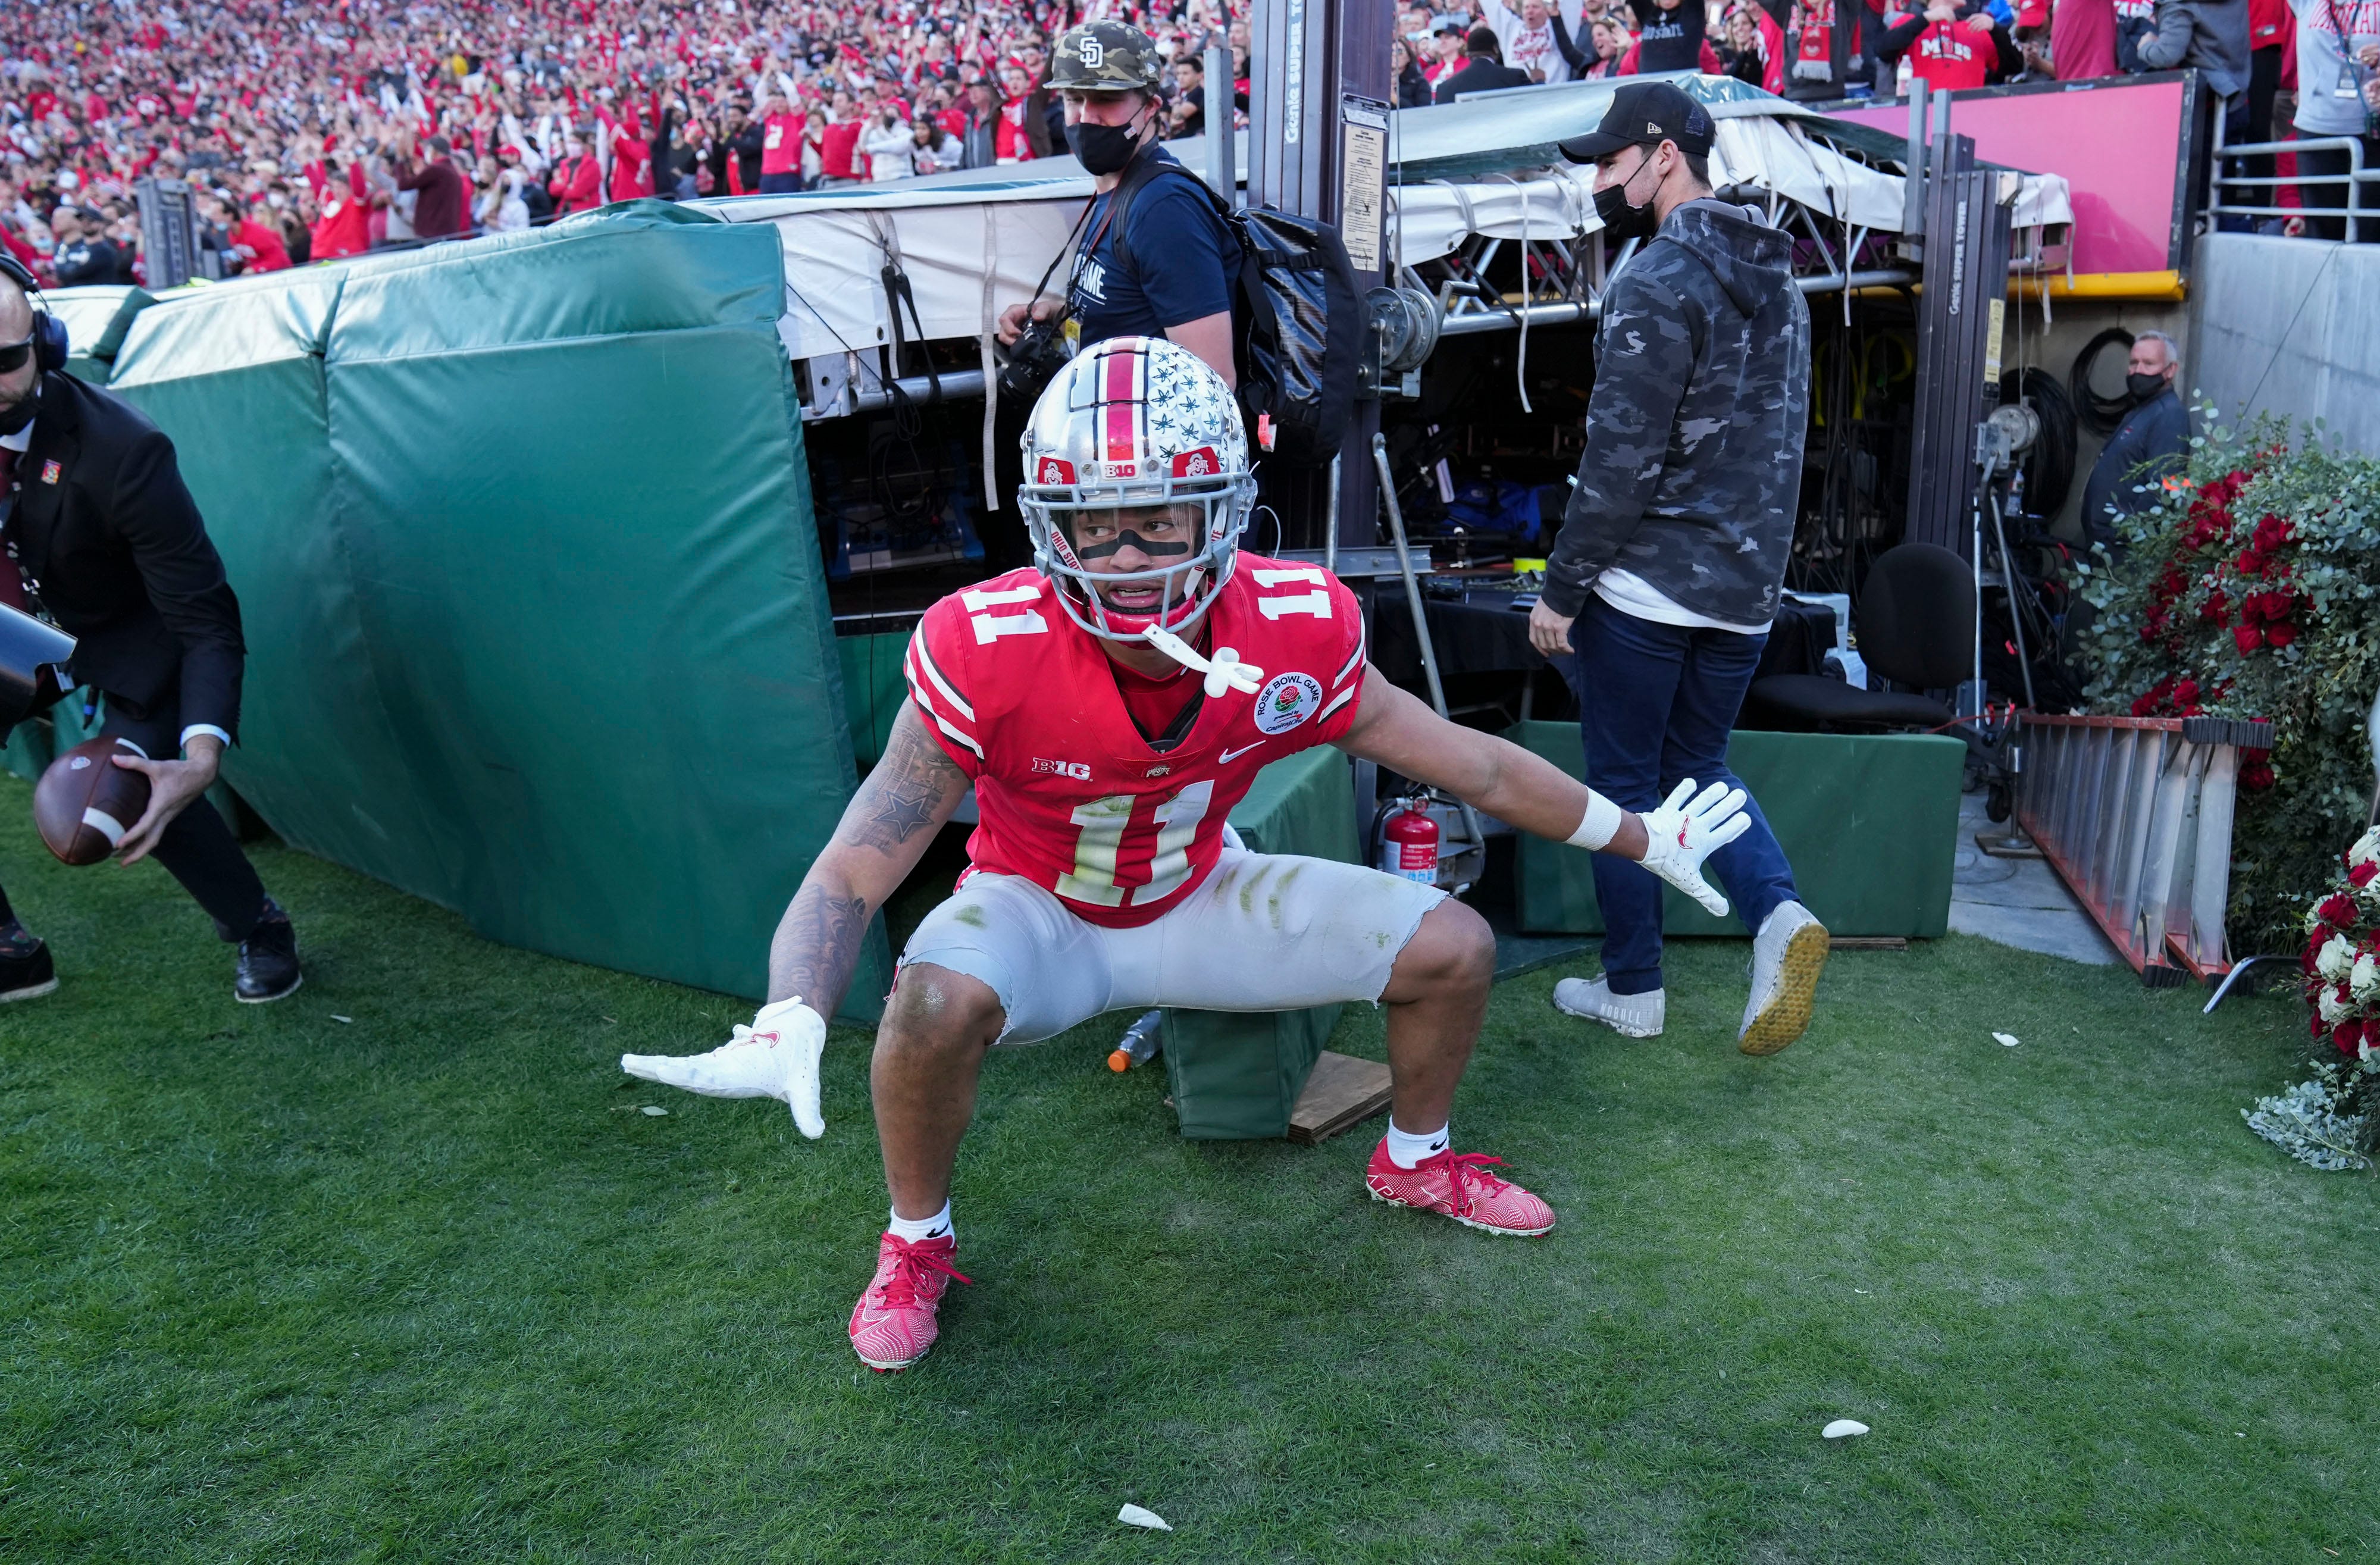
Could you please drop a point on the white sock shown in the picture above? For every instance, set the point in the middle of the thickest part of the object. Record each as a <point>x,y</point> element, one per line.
<point>1408,1150</point>
<point>915,1229</point>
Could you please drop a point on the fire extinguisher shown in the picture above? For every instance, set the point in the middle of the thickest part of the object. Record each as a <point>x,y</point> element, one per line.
<point>1409,844</point>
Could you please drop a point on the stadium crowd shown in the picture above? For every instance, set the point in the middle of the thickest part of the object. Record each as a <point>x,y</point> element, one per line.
<point>312,131</point>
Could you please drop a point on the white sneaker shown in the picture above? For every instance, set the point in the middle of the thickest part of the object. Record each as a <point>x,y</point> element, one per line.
<point>1788,955</point>
<point>1629,1015</point>
<point>776,1057</point>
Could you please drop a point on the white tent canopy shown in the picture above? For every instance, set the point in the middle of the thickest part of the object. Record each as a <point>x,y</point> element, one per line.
<point>970,248</point>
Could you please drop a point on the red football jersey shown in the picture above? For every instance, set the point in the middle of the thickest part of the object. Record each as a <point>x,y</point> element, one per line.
<point>1070,795</point>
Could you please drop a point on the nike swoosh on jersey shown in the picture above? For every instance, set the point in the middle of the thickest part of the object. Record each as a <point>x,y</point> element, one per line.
<point>1230,756</point>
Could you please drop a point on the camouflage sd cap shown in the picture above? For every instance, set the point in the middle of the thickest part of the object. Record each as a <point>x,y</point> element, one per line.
<point>1103,58</point>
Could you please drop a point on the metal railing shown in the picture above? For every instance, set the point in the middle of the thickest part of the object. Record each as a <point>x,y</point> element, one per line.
<point>2362,183</point>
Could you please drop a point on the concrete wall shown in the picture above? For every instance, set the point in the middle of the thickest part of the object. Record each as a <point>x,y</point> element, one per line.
<point>2288,326</point>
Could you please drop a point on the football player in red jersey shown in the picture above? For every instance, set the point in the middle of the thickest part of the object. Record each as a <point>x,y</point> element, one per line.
<point>1109,705</point>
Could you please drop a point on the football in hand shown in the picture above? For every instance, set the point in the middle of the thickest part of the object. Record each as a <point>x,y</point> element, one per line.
<point>85,802</point>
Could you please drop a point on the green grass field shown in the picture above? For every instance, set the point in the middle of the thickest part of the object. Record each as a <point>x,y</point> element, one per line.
<point>426,1285</point>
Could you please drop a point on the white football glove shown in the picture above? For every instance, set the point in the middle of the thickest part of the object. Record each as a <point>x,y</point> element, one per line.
<point>776,1057</point>
<point>1685,831</point>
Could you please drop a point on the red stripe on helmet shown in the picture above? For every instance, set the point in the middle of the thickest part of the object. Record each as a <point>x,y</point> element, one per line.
<point>1121,406</point>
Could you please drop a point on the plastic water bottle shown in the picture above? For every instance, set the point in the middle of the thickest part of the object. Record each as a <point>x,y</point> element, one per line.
<point>1139,1042</point>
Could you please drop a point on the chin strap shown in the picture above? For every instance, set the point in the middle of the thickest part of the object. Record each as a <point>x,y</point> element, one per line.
<point>1224,672</point>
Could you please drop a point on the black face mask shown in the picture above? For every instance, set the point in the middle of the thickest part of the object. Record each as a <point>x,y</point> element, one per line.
<point>1102,149</point>
<point>2144,387</point>
<point>1623,219</point>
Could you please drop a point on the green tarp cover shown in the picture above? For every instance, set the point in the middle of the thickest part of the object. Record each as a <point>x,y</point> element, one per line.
<point>96,319</point>
<point>1236,1075</point>
<point>1869,823</point>
<point>536,625</point>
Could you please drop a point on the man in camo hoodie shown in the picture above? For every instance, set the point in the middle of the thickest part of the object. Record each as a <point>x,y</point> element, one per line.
<point>1668,568</point>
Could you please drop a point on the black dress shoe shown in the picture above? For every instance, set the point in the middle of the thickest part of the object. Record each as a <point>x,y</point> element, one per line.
<point>26,974</point>
<point>268,961</point>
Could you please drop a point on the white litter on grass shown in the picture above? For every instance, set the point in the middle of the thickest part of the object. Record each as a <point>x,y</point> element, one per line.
<point>348,1020</point>
<point>1842,1428</point>
<point>2004,1039</point>
<point>655,1110</point>
<point>1133,1516</point>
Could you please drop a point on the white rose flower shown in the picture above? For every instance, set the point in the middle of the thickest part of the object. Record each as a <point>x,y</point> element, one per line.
<point>2337,960</point>
<point>2367,848</point>
<point>2364,977</point>
<point>2326,1006</point>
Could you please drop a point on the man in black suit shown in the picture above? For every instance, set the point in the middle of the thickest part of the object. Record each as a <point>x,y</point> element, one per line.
<point>1484,71</point>
<point>103,540</point>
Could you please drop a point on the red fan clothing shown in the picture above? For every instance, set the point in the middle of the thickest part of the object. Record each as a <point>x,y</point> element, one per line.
<point>781,144</point>
<point>2083,38</point>
<point>576,185</point>
<point>269,253</point>
<point>344,227</point>
<point>1073,796</point>
<point>632,161</point>
<point>2270,23</point>
<point>1952,57</point>
<point>1009,141</point>
<point>836,149</point>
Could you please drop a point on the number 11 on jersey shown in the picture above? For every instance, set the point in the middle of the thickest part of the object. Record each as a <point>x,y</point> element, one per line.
<point>1109,836</point>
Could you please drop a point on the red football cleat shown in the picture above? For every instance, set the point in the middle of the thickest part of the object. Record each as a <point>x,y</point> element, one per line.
<point>1458,1186</point>
<point>893,1325</point>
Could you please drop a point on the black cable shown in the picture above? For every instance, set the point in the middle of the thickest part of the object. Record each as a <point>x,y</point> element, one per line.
<point>2099,413</point>
<point>2050,465</point>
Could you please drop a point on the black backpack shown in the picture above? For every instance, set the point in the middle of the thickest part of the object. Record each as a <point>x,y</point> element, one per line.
<point>1297,322</point>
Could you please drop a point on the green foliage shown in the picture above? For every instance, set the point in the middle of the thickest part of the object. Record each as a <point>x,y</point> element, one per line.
<point>2252,591</point>
<point>2333,1122</point>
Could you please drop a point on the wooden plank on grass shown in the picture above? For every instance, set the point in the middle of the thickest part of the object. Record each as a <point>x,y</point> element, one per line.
<point>1868,942</point>
<point>1341,1091</point>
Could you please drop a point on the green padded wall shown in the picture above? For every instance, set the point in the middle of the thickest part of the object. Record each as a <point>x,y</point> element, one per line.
<point>536,625</point>
<point>1236,1075</point>
<point>873,688</point>
<point>1869,822</point>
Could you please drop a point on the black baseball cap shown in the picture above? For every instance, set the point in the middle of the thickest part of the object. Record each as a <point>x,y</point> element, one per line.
<point>1645,113</point>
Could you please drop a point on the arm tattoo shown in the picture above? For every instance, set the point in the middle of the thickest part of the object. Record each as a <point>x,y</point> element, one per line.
<point>902,795</point>
<point>816,948</point>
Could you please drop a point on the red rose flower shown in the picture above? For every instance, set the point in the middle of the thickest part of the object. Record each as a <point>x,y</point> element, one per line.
<point>2361,876</point>
<point>2280,633</point>
<point>2271,532</point>
<point>2255,775</point>
<point>2337,910</point>
<point>2216,609</point>
<point>2249,563</point>
<point>2248,637</point>
<point>2347,1034</point>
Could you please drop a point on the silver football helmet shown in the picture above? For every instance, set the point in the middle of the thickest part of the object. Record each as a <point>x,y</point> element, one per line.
<point>1129,423</point>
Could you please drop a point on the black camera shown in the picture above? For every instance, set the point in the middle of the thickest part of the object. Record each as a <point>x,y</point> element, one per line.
<point>1033,360</point>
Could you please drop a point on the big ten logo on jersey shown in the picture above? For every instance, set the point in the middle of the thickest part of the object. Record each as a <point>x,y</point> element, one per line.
<point>982,605</point>
<point>1274,604</point>
<point>1074,769</point>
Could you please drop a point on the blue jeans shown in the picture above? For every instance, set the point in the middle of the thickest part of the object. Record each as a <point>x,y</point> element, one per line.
<point>1656,705</point>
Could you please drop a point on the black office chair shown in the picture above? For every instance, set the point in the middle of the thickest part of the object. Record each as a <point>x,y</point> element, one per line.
<point>1916,628</point>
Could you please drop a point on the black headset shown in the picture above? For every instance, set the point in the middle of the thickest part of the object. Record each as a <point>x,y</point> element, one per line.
<point>49,332</point>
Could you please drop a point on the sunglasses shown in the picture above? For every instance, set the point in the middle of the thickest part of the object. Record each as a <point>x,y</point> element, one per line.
<point>13,357</point>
